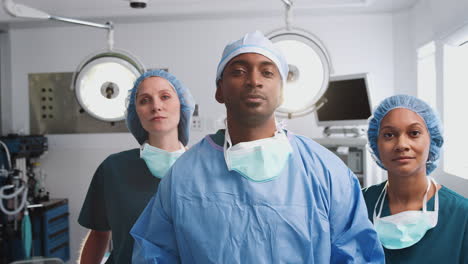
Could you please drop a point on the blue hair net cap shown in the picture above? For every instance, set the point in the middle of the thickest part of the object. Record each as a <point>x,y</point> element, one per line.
<point>254,42</point>
<point>419,107</point>
<point>187,106</point>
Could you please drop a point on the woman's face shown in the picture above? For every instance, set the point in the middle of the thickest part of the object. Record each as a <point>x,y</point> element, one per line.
<point>403,143</point>
<point>157,106</point>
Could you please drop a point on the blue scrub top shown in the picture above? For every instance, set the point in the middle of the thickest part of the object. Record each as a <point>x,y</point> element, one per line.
<point>447,242</point>
<point>313,212</point>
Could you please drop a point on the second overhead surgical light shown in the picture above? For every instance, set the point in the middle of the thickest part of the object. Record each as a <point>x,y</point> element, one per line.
<point>309,68</point>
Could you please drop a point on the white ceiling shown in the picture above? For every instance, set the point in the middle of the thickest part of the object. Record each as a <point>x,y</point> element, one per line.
<point>166,9</point>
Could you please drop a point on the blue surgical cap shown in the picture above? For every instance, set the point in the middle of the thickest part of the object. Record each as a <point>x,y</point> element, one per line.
<point>254,42</point>
<point>187,106</point>
<point>419,107</point>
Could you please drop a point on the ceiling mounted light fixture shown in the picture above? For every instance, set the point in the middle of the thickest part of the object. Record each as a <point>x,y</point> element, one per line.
<point>102,81</point>
<point>309,68</point>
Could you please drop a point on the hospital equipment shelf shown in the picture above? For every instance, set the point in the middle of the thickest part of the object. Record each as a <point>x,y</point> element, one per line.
<point>353,151</point>
<point>51,229</point>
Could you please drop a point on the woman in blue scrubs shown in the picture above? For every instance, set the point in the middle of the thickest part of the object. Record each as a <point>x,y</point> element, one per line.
<point>417,219</point>
<point>158,115</point>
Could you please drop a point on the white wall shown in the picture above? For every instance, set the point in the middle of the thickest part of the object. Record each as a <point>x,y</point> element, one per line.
<point>5,81</point>
<point>191,50</point>
<point>404,69</point>
<point>428,20</point>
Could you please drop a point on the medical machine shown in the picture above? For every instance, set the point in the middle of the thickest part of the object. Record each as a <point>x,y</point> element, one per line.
<point>346,102</point>
<point>344,117</point>
<point>354,153</point>
<point>31,224</point>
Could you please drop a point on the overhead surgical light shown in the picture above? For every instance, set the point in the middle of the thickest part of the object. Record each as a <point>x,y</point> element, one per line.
<point>309,68</point>
<point>101,82</point>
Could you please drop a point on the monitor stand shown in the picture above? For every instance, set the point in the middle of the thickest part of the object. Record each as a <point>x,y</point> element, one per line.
<point>347,132</point>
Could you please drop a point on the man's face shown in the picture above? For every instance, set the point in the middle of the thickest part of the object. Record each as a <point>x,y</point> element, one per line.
<point>250,88</point>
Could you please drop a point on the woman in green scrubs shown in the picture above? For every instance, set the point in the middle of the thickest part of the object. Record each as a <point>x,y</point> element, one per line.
<point>158,115</point>
<point>417,219</point>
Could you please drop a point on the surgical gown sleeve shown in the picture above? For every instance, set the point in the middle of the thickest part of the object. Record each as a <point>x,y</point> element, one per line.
<point>153,232</point>
<point>353,237</point>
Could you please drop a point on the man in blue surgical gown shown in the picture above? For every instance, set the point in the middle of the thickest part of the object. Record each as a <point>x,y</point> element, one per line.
<point>255,192</point>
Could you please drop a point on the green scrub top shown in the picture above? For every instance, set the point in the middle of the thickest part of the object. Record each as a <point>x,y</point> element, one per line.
<point>121,187</point>
<point>447,242</point>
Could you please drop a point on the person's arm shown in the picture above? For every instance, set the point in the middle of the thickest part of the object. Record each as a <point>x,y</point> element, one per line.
<point>93,216</point>
<point>94,247</point>
<point>354,239</point>
<point>153,232</point>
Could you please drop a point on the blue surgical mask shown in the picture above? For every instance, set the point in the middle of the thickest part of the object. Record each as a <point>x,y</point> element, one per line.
<point>158,160</point>
<point>407,228</point>
<point>259,160</point>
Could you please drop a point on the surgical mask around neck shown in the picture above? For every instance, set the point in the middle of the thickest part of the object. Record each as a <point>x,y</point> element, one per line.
<point>159,161</point>
<point>259,160</point>
<point>407,228</point>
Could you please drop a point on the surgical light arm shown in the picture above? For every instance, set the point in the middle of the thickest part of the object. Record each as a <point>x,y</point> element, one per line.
<point>23,11</point>
<point>19,10</point>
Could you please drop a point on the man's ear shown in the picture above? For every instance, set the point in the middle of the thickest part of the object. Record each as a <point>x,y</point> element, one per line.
<point>219,92</point>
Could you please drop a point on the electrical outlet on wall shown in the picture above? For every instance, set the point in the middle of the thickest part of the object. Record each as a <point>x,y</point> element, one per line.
<point>197,124</point>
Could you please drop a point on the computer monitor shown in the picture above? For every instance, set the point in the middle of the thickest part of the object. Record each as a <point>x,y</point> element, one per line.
<point>346,101</point>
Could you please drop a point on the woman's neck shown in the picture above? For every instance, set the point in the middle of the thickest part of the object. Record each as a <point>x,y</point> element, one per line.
<point>165,141</point>
<point>407,193</point>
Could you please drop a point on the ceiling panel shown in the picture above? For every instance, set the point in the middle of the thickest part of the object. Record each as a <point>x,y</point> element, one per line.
<point>121,9</point>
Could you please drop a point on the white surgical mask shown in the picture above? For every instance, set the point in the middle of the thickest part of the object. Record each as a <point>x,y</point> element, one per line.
<point>259,160</point>
<point>159,161</point>
<point>407,228</point>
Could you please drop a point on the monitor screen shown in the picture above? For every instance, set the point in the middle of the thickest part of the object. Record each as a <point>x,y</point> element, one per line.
<point>346,102</point>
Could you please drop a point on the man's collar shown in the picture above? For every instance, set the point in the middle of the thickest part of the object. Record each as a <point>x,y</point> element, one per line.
<point>218,138</point>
